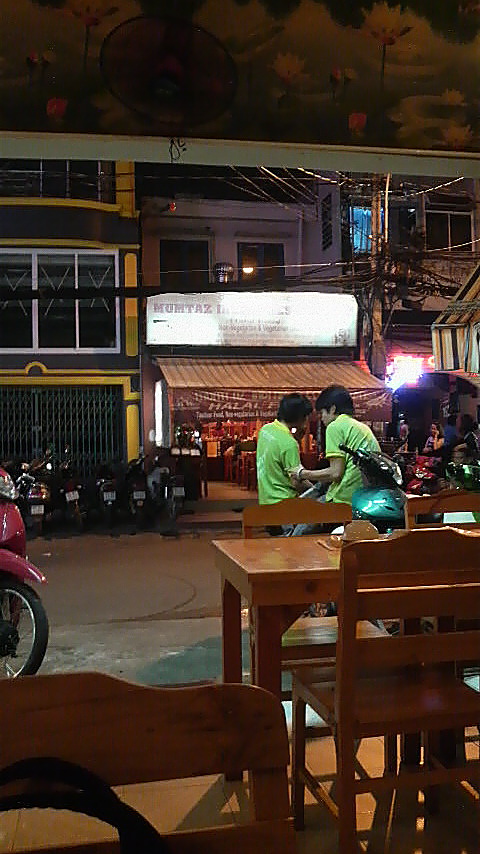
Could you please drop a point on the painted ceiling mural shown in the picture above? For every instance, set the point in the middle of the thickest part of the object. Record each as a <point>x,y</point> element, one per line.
<point>398,75</point>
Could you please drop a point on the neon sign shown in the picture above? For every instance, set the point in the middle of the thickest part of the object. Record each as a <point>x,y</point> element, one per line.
<point>407,370</point>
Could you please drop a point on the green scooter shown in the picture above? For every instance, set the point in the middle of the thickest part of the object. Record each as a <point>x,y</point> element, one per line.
<point>381,500</point>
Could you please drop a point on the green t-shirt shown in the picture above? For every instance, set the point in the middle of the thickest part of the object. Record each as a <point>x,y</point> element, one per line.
<point>347,431</point>
<point>277,452</point>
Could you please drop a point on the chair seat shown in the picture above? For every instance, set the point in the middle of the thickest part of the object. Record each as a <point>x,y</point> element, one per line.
<point>316,637</point>
<point>393,704</point>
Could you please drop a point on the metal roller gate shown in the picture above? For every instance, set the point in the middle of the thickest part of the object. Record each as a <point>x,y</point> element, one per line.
<point>89,419</point>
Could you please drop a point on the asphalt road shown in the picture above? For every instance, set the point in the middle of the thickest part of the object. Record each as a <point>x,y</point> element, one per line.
<point>144,607</point>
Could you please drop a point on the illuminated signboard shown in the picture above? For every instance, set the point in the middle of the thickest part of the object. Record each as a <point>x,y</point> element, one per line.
<point>407,370</point>
<point>265,319</point>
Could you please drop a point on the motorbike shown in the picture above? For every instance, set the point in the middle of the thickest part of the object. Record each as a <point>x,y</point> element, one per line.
<point>158,484</point>
<point>381,500</point>
<point>23,621</point>
<point>33,499</point>
<point>106,495</point>
<point>136,491</point>
<point>70,492</point>
<point>424,476</point>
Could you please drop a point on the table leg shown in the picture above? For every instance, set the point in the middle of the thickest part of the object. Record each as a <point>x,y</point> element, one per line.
<point>411,743</point>
<point>269,627</point>
<point>231,634</point>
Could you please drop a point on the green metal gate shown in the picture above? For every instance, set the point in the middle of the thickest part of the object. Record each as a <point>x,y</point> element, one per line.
<point>89,419</point>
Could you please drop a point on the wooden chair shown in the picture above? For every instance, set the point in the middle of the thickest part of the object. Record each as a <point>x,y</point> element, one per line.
<point>307,640</point>
<point>295,511</point>
<point>128,734</point>
<point>400,684</point>
<point>446,501</point>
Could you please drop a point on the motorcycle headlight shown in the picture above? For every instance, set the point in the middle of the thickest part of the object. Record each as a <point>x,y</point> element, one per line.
<point>7,487</point>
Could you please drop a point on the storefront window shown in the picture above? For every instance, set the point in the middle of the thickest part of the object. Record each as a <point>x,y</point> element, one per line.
<point>184,265</point>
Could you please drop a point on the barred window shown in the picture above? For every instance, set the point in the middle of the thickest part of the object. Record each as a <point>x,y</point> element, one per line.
<point>327,224</point>
<point>61,179</point>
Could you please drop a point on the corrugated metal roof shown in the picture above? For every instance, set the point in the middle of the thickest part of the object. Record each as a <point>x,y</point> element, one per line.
<point>243,373</point>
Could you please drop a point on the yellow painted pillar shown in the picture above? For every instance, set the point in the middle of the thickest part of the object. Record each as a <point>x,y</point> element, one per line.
<point>125,187</point>
<point>133,431</point>
<point>131,306</point>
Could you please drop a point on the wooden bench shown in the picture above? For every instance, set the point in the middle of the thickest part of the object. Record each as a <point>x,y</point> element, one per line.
<point>128,733</point>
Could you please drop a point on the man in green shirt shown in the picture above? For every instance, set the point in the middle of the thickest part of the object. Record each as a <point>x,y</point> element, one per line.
<point>278,449</point>
<point>336,410</point>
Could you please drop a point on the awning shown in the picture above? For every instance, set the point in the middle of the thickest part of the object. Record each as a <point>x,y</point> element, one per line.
<point>469,383</point>
<point>222,389</point>
<point>456,333</point>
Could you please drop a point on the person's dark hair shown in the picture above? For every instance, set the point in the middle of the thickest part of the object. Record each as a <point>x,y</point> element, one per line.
<point>439,428</point>
<point>294,408</point>
<point>338,396</point>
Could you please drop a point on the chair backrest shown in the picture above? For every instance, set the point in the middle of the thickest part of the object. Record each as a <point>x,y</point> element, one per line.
<point>446,501</point>
<point>295,511</point>
<point>406,576</point>
<point>128,733</point>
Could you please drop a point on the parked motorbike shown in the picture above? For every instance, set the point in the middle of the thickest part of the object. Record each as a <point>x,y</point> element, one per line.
<point>70,492</point>
<point>423,477</point>
<point>175,495</point>
<point>157,486</point>
<point>106,494</point>
<point>381,500</point>
<point>23,621</point>
<point>136,491</point>
<point>33,499</point>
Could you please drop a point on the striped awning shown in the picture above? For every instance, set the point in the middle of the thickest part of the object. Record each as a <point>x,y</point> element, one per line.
<point>243,388</point>
<point>456,332</point>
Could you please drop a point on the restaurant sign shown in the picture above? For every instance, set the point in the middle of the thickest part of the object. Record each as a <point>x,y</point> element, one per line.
<point>263,319</point>
<point>199,404</point>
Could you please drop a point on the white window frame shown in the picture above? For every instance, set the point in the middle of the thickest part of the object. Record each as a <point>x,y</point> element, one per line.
<point>34,253</point>
<point>449,214</point>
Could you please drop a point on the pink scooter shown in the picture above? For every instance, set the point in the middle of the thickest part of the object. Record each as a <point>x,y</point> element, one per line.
<point>23,621</point>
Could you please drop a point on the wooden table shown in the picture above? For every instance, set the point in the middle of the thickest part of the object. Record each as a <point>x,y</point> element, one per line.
<point>279,578</point>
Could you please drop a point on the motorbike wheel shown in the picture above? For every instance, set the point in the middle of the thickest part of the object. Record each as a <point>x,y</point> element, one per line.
<point>77,517</point>
<point>23,630</point>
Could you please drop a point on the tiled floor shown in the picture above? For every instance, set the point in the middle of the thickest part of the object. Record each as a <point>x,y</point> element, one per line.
<point>397,826</point>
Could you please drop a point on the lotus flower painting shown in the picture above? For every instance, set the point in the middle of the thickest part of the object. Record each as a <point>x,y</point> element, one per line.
<point>367,73</point>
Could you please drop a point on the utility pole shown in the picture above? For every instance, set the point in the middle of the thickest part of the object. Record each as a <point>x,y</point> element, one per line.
<point>377,351</point>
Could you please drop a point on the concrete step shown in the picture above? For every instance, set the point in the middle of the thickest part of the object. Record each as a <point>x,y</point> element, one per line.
<point>226,520</point>
<point>218,505</point>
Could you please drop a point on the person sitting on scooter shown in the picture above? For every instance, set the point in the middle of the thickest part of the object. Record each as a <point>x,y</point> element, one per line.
<point>342,477</point>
